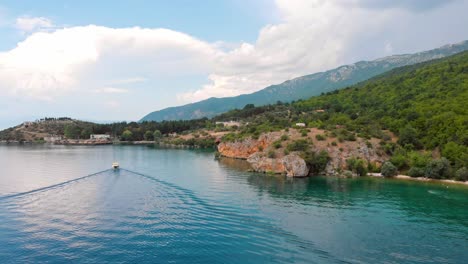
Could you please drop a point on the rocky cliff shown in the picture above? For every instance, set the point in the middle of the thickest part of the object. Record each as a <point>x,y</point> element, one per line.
<point>244,148</point>
<point>292,165</point>
<point>264,157</point>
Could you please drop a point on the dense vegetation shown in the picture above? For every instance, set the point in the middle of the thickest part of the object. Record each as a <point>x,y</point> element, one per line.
<point>424,105</point>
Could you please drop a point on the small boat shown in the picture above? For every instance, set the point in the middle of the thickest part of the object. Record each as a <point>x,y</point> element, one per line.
<point>115,165</point>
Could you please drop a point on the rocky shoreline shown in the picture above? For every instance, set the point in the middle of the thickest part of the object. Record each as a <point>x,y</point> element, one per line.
<point>256,152</point>
<point>424,179</point>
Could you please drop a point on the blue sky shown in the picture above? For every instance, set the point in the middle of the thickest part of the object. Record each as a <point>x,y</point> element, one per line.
<point>211,20</point>
<point>119,60</point>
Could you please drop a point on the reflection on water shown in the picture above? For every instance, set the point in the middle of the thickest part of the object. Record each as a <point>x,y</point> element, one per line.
<point>185,206</point>
<point>238,164</point>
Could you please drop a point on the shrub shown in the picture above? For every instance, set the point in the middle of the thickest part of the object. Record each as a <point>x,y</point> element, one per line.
<point>416,172</point>
<point>350,137</point>
<point>399,160</point>
<point>373,167</point>
<point>284,137</point>
<point>271,154</point>
<point>388,169</point>
<point>298,145</point>
<point>304,133</point>
<point>260,148</point>
<point>461,174</point>
<point>286,152</point>
<point>320,137</point>
<point>277,144</point>
<point>317,162</point>
<point>357,166</point>
<point>438,169</point>
<point>419,160</point>
<point>334,143</point>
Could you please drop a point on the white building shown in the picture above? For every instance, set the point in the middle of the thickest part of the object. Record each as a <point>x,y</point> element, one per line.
<point>300,125</point>
<point>52,139</point>
<point>99,136</point>
<point>229,123</point>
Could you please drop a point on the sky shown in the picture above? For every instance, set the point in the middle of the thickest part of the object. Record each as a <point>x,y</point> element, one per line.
<point>119,60</point>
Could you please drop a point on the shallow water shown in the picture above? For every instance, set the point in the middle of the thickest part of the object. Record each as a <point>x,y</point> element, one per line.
<point>169,205</point>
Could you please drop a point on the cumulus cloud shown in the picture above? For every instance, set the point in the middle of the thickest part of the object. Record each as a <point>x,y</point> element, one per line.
<point>48,64</point>
<point>316,35</point>
<point>312,35</point>
<point>29,24</point>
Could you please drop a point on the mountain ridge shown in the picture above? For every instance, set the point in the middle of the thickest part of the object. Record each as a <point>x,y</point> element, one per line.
<point>305,86</point>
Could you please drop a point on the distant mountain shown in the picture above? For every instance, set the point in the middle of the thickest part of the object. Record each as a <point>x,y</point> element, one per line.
<point>303,87</point>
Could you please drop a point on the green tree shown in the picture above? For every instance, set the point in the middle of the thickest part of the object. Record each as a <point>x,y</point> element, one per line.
<point>456,154</point>
<point>461,174</point>
<point>127,135</point>
<point>249,106</point>
<point>72,131</point>
<point>86,133</point>
<point>409,136</point>
<point>148,135</point>
<point>157,135</point>
<point>317,162</point>
<point>388,169</point>
<point>438,169</point>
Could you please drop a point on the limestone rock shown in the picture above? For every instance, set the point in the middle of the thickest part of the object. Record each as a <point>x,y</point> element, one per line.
<point>244,148</point>
<point>295,166</point>
<point>292,165</point>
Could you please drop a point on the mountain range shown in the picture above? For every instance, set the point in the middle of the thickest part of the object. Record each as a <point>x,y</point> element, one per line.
<point>303,87</point>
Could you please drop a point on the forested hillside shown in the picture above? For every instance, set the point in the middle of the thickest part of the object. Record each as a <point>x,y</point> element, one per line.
<point>424,105</point>
<point>303,87</point>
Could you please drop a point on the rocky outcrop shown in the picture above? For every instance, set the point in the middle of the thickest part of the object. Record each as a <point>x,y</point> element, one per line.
<point>244,148</point>
<point>295,166</point>
<point>257,152</point>
<point>359,149</point>
<point>292,165</point>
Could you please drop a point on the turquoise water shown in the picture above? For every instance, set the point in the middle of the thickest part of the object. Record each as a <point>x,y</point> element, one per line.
<point>183,206</point>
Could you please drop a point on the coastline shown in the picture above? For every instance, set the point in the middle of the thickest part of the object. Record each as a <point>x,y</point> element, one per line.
<point>162,144</point>
<point>423,179</point>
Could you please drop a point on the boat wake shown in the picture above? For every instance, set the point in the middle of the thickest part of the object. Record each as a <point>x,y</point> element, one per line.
<point>9,196</point>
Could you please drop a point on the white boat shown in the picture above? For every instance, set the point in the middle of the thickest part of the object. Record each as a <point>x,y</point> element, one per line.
<point>115,165</point>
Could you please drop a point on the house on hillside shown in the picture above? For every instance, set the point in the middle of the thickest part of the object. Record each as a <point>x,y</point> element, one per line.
<point>229,123</point>
<point>300,124</point>
<point>52,138</point>
<point>319,111</point>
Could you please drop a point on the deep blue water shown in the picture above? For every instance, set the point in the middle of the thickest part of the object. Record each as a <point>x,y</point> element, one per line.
<point>183,206</point>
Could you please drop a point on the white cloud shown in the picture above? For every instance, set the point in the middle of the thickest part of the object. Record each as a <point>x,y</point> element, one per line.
<point>48,64</point>
<point>316,35</point>
<point>313,35</point>
<point>29,24</point>
<point>111,90</point>
<point>130,80</point>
